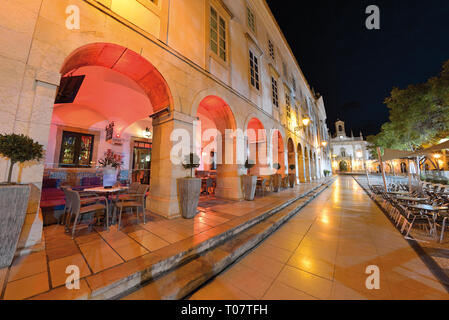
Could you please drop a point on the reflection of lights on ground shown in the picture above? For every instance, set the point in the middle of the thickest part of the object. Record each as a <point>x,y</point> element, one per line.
<point>306,263</point>
<point>325,219</point>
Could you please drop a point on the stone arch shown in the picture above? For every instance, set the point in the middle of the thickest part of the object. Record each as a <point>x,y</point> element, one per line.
<point>257,146</point>
<point>215,114</point>
<point>126,62</point>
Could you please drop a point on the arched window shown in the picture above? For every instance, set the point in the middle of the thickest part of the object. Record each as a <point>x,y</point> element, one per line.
<point>340,128</point>
<point>343,152</point>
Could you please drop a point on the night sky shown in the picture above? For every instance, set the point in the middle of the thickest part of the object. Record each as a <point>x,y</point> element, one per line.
<point>355,68</point>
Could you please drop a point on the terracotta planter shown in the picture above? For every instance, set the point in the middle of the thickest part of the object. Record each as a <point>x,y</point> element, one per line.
<point>189,194</point>
<point>249,185</point>
<point>277,181</point>
<point>109,176</point>
<point>13,206</point>
<point>292,180</point>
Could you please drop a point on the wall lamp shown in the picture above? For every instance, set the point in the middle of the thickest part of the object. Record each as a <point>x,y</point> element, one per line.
<point>305,123</point>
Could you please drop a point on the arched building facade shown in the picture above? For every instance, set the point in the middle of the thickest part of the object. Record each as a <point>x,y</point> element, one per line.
<point>126,80</point>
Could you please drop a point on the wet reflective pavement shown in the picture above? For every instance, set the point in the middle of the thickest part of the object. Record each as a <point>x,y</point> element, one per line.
<point>324,252</point>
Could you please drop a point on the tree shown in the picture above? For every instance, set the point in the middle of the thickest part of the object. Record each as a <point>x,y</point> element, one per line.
<point>419,115</point>
<point>19,148</point>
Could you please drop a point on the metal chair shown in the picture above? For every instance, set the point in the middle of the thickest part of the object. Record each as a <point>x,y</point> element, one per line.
<point>133,201</point>
<point>79,208</point>
<point>262,186</point>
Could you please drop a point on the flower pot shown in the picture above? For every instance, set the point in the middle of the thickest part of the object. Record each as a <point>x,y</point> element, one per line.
<point>13,206</point>
<point>109,176</point>
<point>249,185</point>
<point>189,193</point>
<point>292,179</point>
<point>277,181</point>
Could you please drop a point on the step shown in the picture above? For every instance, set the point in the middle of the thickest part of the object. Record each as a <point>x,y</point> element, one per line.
<point>115,281</point>
<point>184,280</point>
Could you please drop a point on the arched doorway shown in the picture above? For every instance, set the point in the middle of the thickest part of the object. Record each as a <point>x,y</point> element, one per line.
<point>215,117</point>
<point>343,166</point>
<point>106,95</point>
<point>256,140</point>
<point>278,151</point>
<point>403,168</point>
<point>301,165</point>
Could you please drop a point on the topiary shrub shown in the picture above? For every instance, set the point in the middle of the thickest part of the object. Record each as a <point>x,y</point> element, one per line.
<point>19,148</point>
<point>191,161</point>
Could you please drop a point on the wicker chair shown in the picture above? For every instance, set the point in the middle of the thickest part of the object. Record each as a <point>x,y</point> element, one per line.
<point>132,201</point>
<point>79,208</point>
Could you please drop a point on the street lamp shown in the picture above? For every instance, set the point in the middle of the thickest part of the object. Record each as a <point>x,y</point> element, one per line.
<point>324,144</point>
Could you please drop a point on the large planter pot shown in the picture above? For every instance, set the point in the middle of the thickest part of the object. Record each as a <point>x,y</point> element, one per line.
<point>277,181</point>
<point>189,191</point>
<point>249,185</point>
<point>292,180</point>
<point>109,176</point>
<point>13,206</point>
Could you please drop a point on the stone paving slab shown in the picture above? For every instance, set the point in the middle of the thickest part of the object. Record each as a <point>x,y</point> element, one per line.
<point>117,260</point>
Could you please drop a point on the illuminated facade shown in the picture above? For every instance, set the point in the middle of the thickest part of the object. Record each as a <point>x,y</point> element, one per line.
<point>224,62</point>
<point>348,153</point>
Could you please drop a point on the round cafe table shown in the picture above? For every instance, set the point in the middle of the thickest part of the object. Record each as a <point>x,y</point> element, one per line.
<point>110,194</point>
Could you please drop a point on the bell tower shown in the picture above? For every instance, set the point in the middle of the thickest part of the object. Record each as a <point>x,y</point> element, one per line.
<point>340,128</point>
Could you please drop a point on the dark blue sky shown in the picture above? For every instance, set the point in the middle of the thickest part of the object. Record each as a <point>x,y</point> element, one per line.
<point>355,68</point>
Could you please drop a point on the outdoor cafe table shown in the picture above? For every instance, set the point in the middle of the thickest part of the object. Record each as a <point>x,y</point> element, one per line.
<point>109,193</point>
<point>399,193</point>
<point>431,209</point>
<point>411,199</point>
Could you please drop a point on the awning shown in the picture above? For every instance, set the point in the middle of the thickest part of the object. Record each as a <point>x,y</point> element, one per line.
<point>391,154</point>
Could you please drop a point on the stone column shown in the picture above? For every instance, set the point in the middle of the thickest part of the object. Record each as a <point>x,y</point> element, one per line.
<point>301,168</point>
<point>164,199</point>
<point>229,185</point>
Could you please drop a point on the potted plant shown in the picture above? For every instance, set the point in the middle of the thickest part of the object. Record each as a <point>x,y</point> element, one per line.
<point>326,173</point>
<point>277,178</point>
<point>14,197</point>
<point>111,164</point>
<point>190,188</point>
<point>292,175</point>
<point>249,182</point>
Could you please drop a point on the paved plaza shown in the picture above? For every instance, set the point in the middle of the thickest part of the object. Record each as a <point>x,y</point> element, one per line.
<point>323,253</point>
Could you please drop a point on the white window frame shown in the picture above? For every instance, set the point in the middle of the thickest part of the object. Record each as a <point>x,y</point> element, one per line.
<point>251,20</point>
<point>220,17</point>
<point>254,70</point>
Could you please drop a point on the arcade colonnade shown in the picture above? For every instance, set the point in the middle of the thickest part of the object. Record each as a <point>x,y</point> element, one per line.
<point>124,63</point>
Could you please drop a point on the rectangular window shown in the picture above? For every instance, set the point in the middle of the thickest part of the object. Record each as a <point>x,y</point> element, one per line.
<point>287,105</point>
<point>251,20</point>
<point>218,34</point>
<point>274,91</point>
<point>271,50</point>
<point>254,69</point>
<point>294,83</point>
<point>76,150</point>
<point>284,67</point>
